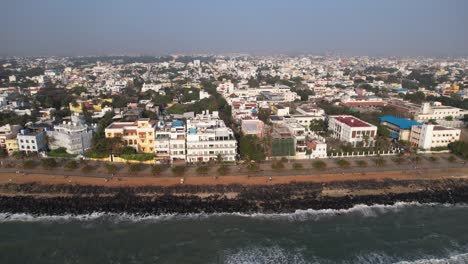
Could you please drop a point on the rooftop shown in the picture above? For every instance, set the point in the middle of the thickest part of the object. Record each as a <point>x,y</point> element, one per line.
<point>351,121</point>
<point>402,123</point>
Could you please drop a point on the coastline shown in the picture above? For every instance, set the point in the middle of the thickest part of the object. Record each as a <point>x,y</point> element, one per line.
<point>53,195</point>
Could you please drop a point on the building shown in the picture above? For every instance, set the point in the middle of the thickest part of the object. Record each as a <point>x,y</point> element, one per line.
<point>282,142</point>
<point>74,136</point>
<point>138,135</point>
<point>151,87</point>
<point>11,145</point>
<point>31,141</point>
<point>310,110</point>
<point>169,143</point>
<point>208,137</point>
<point>8,132</point>
<point>400,128</point>
<point>351,129</point>
<point>437,111</point>
<point>433,136</point>
<point>252,127</point>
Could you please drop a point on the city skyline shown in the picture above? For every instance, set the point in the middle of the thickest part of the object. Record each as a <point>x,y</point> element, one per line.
<point>391,28</point>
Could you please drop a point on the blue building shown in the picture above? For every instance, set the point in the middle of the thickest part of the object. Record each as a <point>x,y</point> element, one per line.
<point>400,128</point>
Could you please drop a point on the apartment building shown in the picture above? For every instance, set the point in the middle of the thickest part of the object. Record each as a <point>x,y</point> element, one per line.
<point>433,136</point>
<point>351,129</point>
<point>74,136</point>
<point>208,137</point>
<point>169,142</point>
<point>138,135</point>
<point>31,141</point>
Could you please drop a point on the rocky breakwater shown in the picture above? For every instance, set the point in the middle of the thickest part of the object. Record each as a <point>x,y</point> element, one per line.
<point>38,199</point>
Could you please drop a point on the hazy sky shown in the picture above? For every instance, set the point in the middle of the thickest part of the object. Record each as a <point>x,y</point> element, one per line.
<point>359,27</point>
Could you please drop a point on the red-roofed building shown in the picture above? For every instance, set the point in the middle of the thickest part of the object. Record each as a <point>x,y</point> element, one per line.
<point>351,129</point>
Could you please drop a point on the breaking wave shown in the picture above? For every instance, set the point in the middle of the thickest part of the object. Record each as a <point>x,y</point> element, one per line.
<point>276,254</point>
<point>299,215</point>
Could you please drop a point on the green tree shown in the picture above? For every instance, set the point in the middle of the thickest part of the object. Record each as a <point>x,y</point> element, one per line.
<point>319,165</point>
<point>251,149</point>
<point>178,170</point>
<point>71,165</point>
<point>343,163</point>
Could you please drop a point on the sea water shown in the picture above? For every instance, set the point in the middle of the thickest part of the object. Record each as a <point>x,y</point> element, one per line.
<point>400,233</point>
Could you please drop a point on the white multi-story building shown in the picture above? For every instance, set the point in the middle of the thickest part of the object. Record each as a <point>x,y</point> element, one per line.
<point>433,136</point>
<point>31,142</point>
<point>208,137</point>
<point>351,129</point>
<point>151,87</point>
<point>74,136</point>
<point>437,111</point>
<point>169,143</point>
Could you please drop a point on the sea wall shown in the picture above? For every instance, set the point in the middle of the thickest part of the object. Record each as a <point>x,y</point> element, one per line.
<point>184,199</point>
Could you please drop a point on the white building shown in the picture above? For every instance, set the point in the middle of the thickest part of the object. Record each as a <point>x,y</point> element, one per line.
<point>151,87</point>
<point>31,142</point>
<point>12,78</point>
<point>74,136</point>
<point>433,136</point>
<point>437,111</point>
<point>204,95</point>
<point>351,129</point>
<point>169,143</point>
<point>208,137</point>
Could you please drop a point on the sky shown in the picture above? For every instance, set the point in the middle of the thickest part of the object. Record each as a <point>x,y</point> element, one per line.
<point>154,27</point>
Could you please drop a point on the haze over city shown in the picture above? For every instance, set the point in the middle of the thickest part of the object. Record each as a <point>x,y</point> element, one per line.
<point>378,28</point>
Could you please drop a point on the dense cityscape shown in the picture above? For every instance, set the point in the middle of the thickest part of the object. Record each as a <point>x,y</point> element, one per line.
<point>199,109</point>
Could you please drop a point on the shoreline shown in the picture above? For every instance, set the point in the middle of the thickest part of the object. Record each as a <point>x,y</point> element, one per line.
<point>285,194</point>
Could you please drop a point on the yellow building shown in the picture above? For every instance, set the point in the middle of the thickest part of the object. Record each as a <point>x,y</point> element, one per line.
<point>452,89</point>
<point>138,135</point>
<point>95,104</point>
<point>11,145</point>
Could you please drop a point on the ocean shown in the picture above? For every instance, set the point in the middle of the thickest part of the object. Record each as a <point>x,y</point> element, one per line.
<point>400,233</point>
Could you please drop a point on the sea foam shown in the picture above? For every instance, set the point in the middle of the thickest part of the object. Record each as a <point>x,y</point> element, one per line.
<point>299,215</point>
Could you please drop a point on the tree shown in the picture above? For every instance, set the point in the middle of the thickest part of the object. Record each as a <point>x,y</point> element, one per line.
<point>449,118</point>
<point>251,149</point>
<point>398,159</point>
<point>111,168</point>
<point>319,165</point>
<point>383,131</point>
<point>71,165</point>
<point>49,163</point>
<point>264,115</point>
<point>343,163</point>
<point>416,159</point>
<point>361,163</point>
<point>203,170</point>
<point>178,170</point>
<point>317,125</point>
<point>452,159</point>
<point>157,169</point>
<point>433,159</point>
<point>223,170</point>
<point>380,162</point>
<point>297,166</point>
<point>277,165</point>
<point>253,167</point>
<point>135,167</point>
<point>29,164</point>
